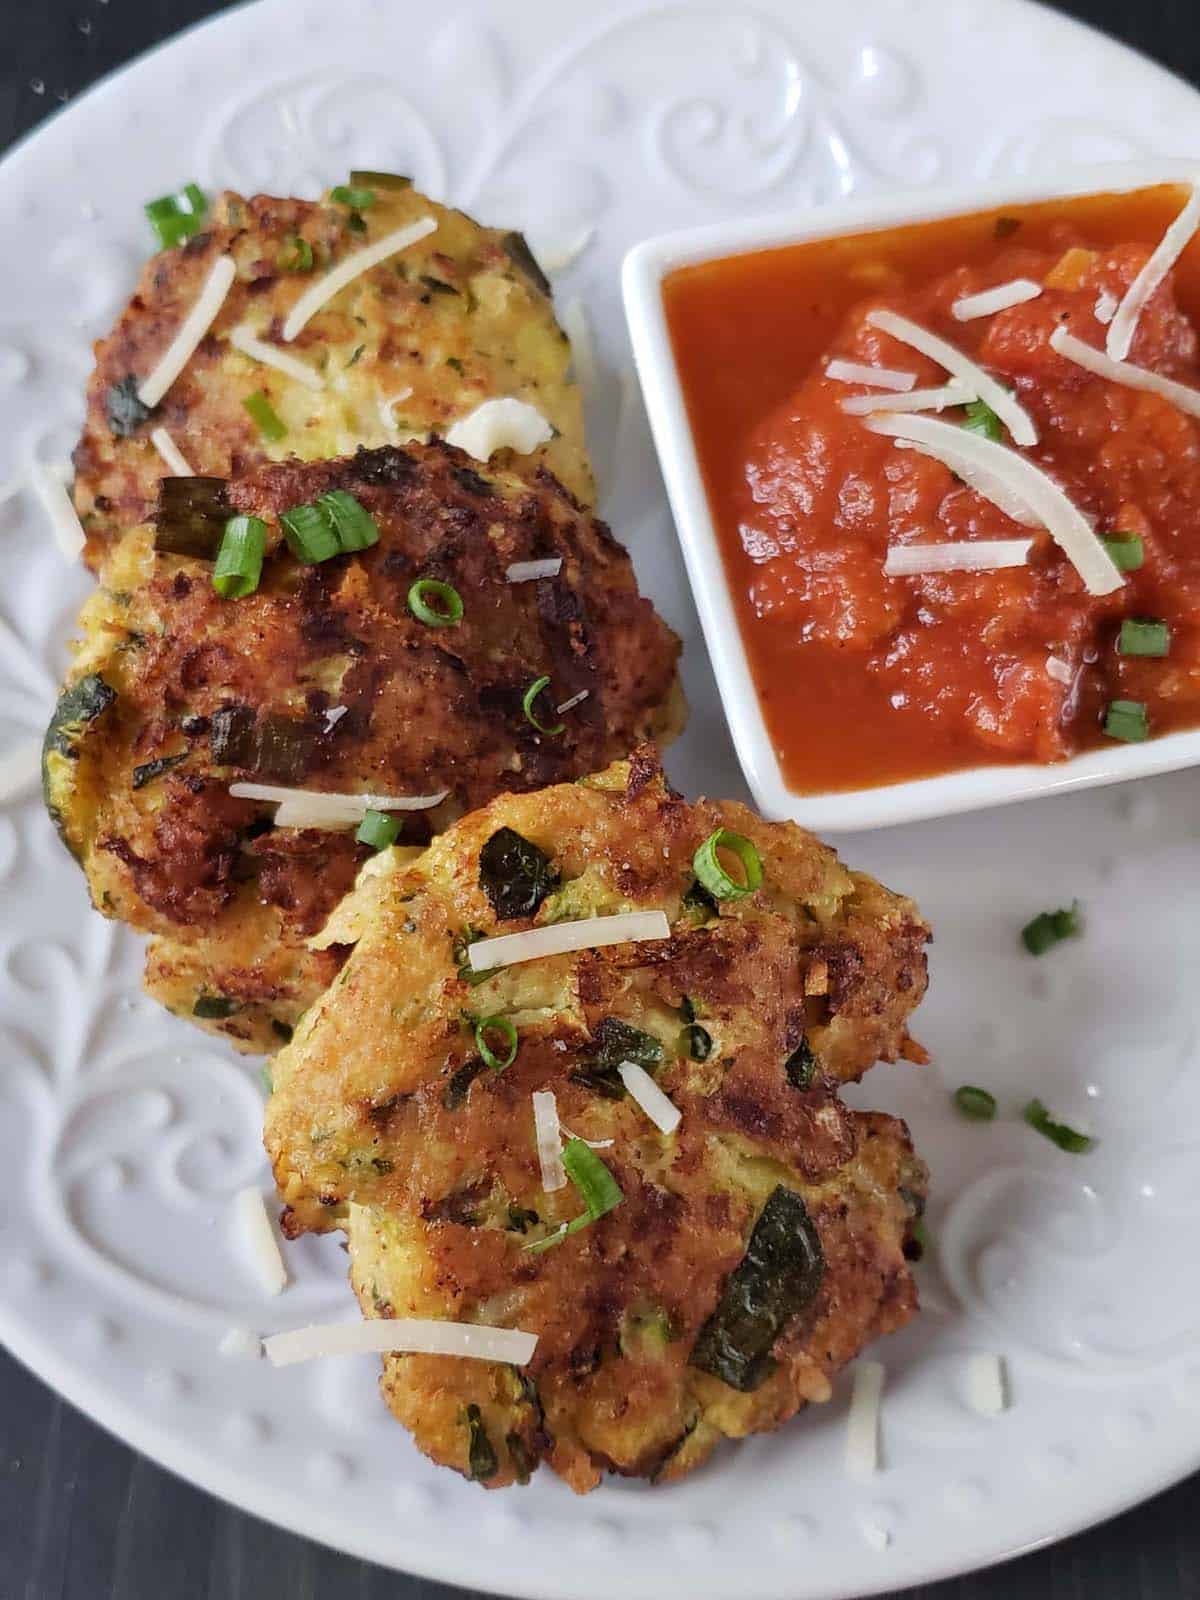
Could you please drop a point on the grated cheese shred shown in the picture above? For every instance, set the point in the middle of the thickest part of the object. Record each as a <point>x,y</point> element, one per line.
<point>548,1136</point>
<point>1123,327</point>
<point>263,1247</point>
<point>662,1111</point>
<point>1101,365</point>
<point>989,301</point>
<point>876,377</point>
<point>862,1423</point>
<point>353,266</point>
<point>563,938</point>
<point>247,341</point>
<point>976,555</point>
<point>170,453</point>
<point>402,1335</point>
<point>193,328</point>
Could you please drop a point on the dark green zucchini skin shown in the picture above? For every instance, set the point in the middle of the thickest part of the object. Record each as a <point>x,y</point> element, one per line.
<point>78,708</point>
<point>774,1281</point>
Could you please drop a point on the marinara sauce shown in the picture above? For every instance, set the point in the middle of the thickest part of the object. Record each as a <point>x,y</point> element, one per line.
<point>866,679</point>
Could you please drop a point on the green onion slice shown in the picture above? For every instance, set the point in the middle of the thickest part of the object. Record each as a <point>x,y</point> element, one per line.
<point>1127,720</point>
<point>1126,550</point>
<point>445,613</point>
<point>1048,928</point>
<point>239,561</point>
<point>975,1103</point>
<point>264,416</point>
<point>354,525</point>
<point>983,420</point>
<point>296,255</point>
<point>507,1032</point>
<point>310,534</point>
<point>1059,1133</point>
<point>378,830</point>
<point>1144,636</point>
<point>527,704</point>
<point>175,217</point>
<point>707,866</point>
<point>357,197</point>
<point>599,1189</point>
<point>379,180</point>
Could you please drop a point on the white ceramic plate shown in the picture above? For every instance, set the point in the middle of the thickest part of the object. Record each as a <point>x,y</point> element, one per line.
<point>123,1134</point>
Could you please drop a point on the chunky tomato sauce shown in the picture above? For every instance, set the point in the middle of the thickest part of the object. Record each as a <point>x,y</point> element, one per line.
<point>866,679</point>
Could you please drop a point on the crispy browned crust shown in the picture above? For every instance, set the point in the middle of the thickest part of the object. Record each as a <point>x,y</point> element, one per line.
<point>367,1131</point>
<point>486,329</point>
<point>231,900</point>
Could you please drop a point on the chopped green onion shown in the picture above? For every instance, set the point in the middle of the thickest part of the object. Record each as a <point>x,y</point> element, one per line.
<point>240,559</point>
<point>1066,1138</point>
<point>354,196</point>
<point>215,1007</point>
<point>1144,636</point>
<point>264,416</point>
<point>1126,550</point>
<point>379,180</point>
<point>975,1103</point>
<point>175,217</point>
<point>1048,928</point>
<point>356,222</point>
<point>508,1033</point>
<point>596,1184</point>
<point>696,1042</point>
<point>1127,720</point>
<point>712,874</point>
<point>296,255</point>
<point>310,534</point>
<point>378,830</point>
<point>150,770</point>
<point>527,704</point>
<point>447,611</point>
<point>190,517</point>
<point>800,1067</point>
<point>983,420</point>
<point>355,526</point>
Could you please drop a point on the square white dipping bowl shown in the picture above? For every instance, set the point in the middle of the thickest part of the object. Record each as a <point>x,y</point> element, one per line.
<point>645,267</point>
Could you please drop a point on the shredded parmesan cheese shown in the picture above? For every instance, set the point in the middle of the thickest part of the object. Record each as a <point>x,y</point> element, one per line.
<point>402,1335</point>
<point>592,1144</point>
<point>989,301</point>
<point>1170,247</point>
<point>333,716</point>
<point>240,1342</point>
<point>950,394</point>
<point>171,453</point>
<point>193,328</point>
<point>982,386</point>
<point>311,808</point>
<point>334,281</point>
<point>500,425</point>
<point>1124,372</point>
<point>251,1211</point>
<point>561,938</point>
<point>1106,306</point>
<point>387,409</point>
<point>987,1387</point>
<point>862,1423</point>
<point>1058,669</point>
<point>248,342</point>
<point>979,555</point>
<point>549,1140</point>
<point>527,571</point>
<point>557,258</point>
<point>575,700</point>
<point>20,766</point>
<point>56,503</point>
<point>876,377</point>
<point>980,461</point>
<point>662,1111</point>
<point>578,330</point>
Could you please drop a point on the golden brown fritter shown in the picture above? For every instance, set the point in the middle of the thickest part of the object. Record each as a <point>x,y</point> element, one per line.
<point>385,1121</point>
<point>325,679</point>
<point>464,315</point>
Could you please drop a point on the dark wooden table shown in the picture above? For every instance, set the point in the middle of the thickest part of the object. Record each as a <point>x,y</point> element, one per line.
<point>84,1518</point>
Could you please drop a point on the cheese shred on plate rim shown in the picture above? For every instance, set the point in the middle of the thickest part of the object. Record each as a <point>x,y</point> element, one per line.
<point>977,459</point>
<point>982,385</point>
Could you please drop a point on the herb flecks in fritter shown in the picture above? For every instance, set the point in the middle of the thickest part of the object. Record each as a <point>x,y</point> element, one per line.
<point>686,1286</point>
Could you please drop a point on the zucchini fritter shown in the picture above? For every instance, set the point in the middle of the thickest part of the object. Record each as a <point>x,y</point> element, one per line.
<point>325,679</point>
<point>753,1252</point>
<point>461,316</point>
